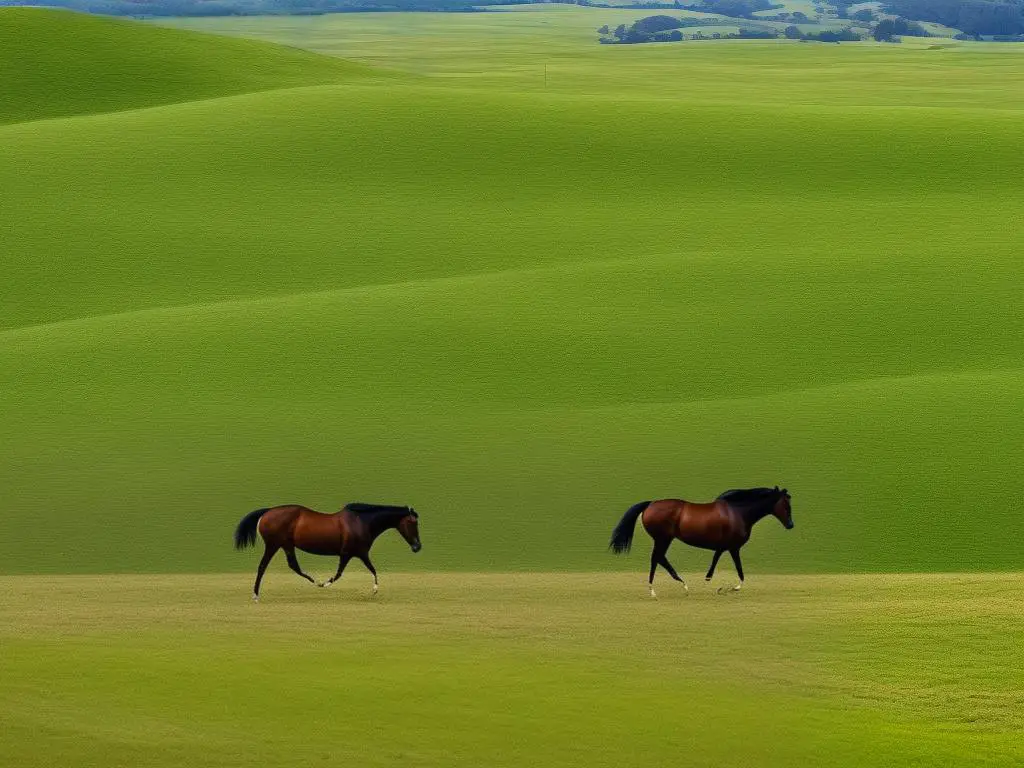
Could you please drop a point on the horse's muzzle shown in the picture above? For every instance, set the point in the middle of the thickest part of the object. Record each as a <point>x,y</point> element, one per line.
<point>417,547</point>
<point>789,525</point>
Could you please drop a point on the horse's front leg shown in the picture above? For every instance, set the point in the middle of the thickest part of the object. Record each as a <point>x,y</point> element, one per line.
<point>371,569</point>
<point>342,562</point>
<point>739,570</point>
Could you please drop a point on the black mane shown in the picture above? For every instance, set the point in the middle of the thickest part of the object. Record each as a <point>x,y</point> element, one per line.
<point>743,497</point>
<point>373,510</point>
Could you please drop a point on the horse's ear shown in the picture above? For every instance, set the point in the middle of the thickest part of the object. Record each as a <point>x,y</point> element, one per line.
<point>776,487</point>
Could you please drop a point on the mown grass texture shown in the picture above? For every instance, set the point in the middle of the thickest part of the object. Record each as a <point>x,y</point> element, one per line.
<point>499,669</point>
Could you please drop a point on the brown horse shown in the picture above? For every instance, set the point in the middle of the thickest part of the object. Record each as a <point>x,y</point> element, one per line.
<point>348,533</point>
<point>724,525</point>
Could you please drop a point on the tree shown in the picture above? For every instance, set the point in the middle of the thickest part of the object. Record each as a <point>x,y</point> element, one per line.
<point>974,17</point>
<point>657,24</point>
<point>829,36</point>
<point>884,31</point>
<point>603,30</point>
<point>756,34</point>
<point>735,8</point>
<point>864,14</point>
<point>793,33</point>
<point>888,30</point>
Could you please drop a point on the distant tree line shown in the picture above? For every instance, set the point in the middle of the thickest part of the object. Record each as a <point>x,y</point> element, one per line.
<point>640,5</point>
<point>824,36</point>
<point>797,17</point>
<point>655,24</point>
<point>740,9</point>
<point>889,30</point>
<point>974,17</point>
<point>991,38</point>
<point>667,29</point>
<point>637,33</point>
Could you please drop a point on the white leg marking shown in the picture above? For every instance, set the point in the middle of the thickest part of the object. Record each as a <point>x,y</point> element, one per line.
<point>255,597</point>
<point>653,593</point>
<point>737,587</point>
<point>686,588</point>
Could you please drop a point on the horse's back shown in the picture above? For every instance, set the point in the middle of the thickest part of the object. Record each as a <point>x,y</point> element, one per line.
<point>287,522</point>
<point>660,516</point>
<point>710,525</point>
<point>663,508</point>
<point>700,524</point>
<point>288,512</point>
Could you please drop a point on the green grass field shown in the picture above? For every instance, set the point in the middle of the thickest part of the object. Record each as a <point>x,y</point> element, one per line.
<point>505,670</point>
<point>58,65</point>
<point>519,310</point>
<point>238,272</point>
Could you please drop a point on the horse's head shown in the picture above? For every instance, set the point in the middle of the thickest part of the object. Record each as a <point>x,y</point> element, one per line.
<point>409,527</point>
<point>783,510</point>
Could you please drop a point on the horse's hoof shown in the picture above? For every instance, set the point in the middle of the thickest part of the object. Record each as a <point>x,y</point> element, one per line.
<point>255,598</point>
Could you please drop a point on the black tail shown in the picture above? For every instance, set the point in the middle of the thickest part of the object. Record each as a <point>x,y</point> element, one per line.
<point>245,533</point>
<point>622,536</point>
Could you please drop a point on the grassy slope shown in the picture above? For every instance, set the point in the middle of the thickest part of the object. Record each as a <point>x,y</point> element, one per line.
<point>523,311</point>
<point>58,63</point>
<point>508,671</point>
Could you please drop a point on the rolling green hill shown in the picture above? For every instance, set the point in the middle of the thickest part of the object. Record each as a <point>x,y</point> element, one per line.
<point>57,63</point>
<point>520,310</point>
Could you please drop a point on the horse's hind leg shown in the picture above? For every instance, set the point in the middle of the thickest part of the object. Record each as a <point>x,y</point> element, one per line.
<point>657,555</point>
<point>268,555</point>
<point>293,563</point>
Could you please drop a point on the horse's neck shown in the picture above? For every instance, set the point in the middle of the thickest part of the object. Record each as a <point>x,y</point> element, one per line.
<point>752,514</point>
<point>384,521</point>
